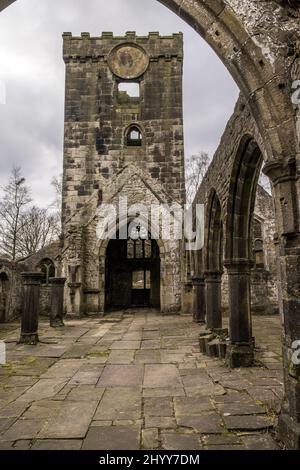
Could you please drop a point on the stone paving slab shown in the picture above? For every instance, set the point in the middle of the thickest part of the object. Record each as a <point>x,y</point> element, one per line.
<point>164,375</point>
<point>10,394</point>
<point>122,356</point>
<point>158,406</point>
<point>136,380</point>
<point>230,409</point>
<point>23,429</point>
<point>247,422</point>
<point>26,365</point>
<point>12,410</point>
<point>147,357</point>
<point>57,444</point>
<point>259,442</point>
<point>65,368</point>
<point>44,388</point>
<point>177,441</point>
<point>221,439</point>
<point>42,410</point>
<point>191,406</point>
<point>87,375</point>
<point>121,376</point>
<point>78,351</point>
<point>19,381</point>
<point>163,392</point>
<point>6,423</point>
<point>126,345</point>
<point>85,393</point>
<point>160,422</point>
<point>72,420</point>
<point>112,438</point>
<point>150,439</point>
<point>207,423</point>
<point>120,403</point>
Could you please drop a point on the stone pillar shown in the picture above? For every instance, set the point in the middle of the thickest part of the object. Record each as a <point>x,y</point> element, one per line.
<point>30,308</point>
<point>57,301</point>
<point>199,306</point>
<point>241,348</point>
<point>213,281</point>
<point>289,420</point>
<point>283,174</point>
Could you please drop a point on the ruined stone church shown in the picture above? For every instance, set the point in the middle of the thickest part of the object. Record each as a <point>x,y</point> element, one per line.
<point>124,142</point>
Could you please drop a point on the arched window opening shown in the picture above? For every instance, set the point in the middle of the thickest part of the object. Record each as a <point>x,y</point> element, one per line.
<point>134,137</point>
<point>47,268</point>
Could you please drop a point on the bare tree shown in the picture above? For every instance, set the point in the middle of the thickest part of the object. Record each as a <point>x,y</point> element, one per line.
<point>16,196</point>
<point>196,167</point>
<point>56,183</point>
<point>39,228</point>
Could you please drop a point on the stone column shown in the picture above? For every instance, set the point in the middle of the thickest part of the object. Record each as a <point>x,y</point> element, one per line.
<point>57,301</point>
<point>241,348</point>
<point>30,308</point>
<point>213,299</point>
<point>285,177</point>
<point>199,306</point>
<point>289,419</point>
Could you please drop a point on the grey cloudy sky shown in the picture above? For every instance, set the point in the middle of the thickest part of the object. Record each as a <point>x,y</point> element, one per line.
<point>31,65</point>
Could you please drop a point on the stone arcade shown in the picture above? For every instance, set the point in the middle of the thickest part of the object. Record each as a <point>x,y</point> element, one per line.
<point>259,44</point>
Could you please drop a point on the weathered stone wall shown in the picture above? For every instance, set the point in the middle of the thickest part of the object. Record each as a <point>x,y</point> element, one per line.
<point>96,118</point>
<point>264,279</point>
<point>10,290</point>
<point>11,284</point>
<point>32,263</point>
<point>51,252</point>
<point>219,173</point>
<point>45,300</point>
<point>218,177</point>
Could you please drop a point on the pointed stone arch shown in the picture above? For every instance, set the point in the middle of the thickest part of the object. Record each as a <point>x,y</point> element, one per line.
<point>213,260</point>
<point>241,200</point>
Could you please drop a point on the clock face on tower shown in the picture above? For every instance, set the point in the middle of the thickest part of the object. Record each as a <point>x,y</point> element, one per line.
<point>128,61</point>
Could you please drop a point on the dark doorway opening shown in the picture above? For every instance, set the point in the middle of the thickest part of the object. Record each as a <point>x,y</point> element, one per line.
<point>132,274</point>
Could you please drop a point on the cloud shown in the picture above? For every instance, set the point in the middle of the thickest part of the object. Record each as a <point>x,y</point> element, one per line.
<point>31,123</point>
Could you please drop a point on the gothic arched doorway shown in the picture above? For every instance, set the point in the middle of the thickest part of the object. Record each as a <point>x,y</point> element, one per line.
<point>4,288</point>
<point>132,274</point>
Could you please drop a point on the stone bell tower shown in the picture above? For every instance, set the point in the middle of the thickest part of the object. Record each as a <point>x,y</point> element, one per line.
<point>123,116</point>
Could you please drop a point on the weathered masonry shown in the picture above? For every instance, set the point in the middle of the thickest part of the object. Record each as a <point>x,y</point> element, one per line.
<point>123,139</point>
<point>259,44</point>
<point>216,193</point>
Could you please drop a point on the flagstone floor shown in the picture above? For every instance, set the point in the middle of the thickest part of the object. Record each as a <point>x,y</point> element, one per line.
<point>136,381</point>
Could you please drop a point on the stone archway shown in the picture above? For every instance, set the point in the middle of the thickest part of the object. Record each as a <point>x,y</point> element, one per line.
<point>238,249</point>
<point>160,297</point>
<point>213,261</point>
<point>132,274</point>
